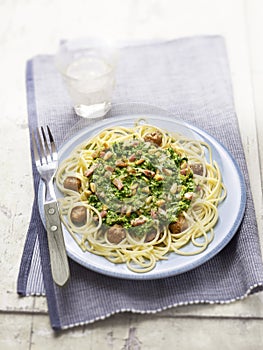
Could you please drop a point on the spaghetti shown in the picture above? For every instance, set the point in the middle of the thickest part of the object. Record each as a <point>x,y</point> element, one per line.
<point>134,195</point>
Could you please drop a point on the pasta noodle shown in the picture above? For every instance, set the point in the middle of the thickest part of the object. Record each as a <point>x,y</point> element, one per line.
<point>135,195</point>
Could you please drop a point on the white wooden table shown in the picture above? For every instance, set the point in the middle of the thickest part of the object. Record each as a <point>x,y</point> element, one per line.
<point>30,27</point>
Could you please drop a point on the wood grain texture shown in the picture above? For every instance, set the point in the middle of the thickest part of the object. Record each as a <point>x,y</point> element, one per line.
<point>29,28</point>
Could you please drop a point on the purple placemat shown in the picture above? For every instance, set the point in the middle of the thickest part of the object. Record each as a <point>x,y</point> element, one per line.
<point>189,78</point>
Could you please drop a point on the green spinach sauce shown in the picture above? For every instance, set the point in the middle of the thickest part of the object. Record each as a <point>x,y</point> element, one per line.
<point>140,185</point>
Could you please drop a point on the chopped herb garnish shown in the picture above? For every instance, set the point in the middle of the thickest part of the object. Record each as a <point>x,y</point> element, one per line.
<point>133,184</point>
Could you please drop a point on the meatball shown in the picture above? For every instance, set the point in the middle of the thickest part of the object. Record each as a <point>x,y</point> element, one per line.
<point>197,168</point>
<point>78,215</point>
<point>150,236</point>
<point>72,183</point>
<point>178,226</point>
<point>155,137</point>
<point>116,234</point>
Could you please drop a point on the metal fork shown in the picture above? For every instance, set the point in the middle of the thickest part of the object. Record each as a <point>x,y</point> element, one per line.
<point>46,159</point>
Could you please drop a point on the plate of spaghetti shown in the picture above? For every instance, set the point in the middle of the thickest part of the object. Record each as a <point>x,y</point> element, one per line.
<point>146,197</point>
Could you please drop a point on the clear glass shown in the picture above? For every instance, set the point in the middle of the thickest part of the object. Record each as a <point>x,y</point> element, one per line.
<point>88,69</point>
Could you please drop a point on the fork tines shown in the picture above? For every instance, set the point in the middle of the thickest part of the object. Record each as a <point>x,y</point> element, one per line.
<point>43,152</point>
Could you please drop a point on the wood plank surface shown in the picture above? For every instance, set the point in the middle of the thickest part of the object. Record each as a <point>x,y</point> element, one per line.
<point>29,28</point>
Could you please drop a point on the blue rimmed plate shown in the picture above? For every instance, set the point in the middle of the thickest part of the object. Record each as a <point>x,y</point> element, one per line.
<point>231,210</point>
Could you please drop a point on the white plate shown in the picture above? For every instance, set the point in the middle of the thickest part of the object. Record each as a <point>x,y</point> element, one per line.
<point>231,210</point>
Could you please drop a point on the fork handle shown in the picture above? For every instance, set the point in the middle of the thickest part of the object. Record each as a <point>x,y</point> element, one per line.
<point>56,244</point>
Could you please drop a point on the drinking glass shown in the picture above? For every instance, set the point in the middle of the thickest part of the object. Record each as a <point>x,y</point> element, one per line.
<point>88,69</point>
